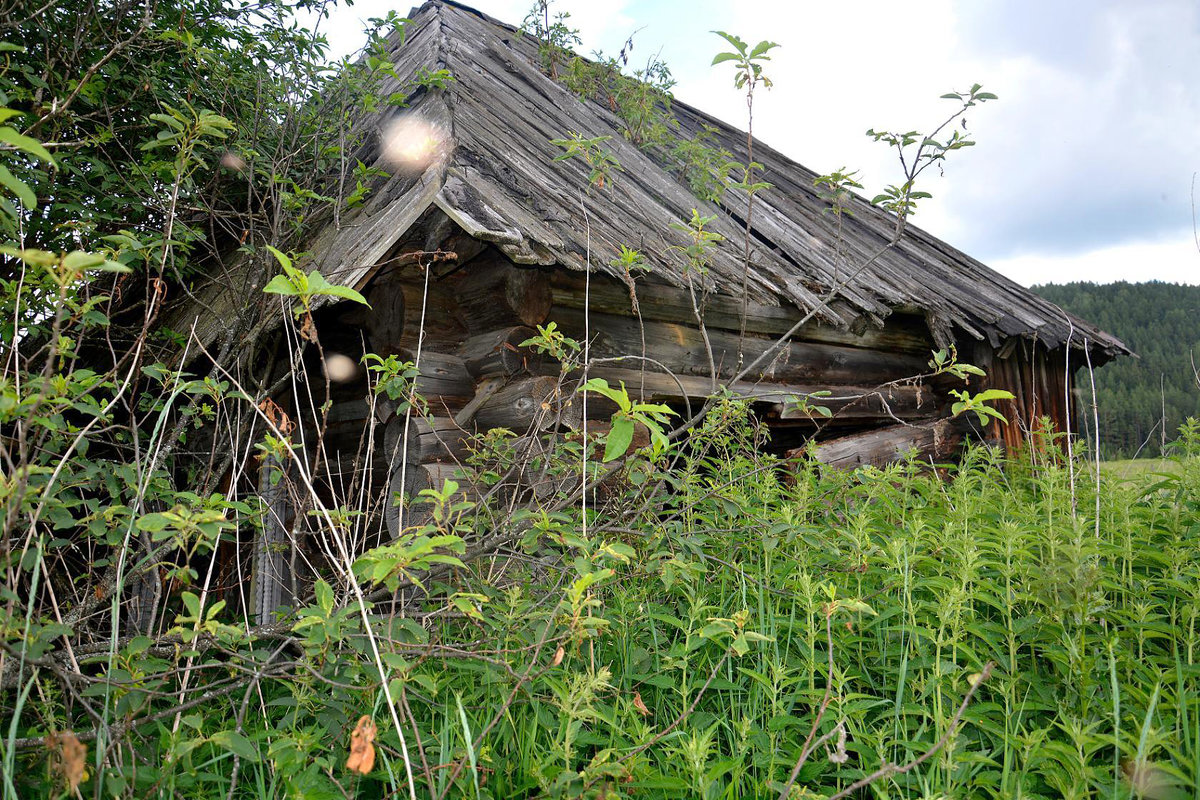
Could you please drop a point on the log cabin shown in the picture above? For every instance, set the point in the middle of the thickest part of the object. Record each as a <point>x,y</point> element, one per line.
<point>475,231</point>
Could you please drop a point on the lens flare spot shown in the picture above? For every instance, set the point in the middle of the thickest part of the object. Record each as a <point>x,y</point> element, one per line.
<point>411,143</point>
<point>340,368</point>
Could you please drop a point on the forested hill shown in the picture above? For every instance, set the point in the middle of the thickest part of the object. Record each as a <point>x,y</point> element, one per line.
<point>1161,322</point>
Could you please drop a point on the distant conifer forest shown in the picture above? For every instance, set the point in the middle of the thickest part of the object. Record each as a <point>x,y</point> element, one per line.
<point>1139,397</point>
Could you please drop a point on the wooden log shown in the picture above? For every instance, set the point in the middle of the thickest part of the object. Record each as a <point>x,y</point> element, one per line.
<point>437,439</point>
<point>401,442</point>
<point>434,476</point>
<point>402,483</point>
<point>528,403</point>
<point>681,348</point>
<point>271,573</point>
<point>441,375</point>
<point>499,353</point>
<point>534,477</point>
<point>349,411</point>
<point>905,332</point>
<point>394,319</point>
<point>498,294</point>
<point>935,441</point>
<point>444,329</point>
<point>845,401</point>
<point>859,402</point>
<point>418,479</point>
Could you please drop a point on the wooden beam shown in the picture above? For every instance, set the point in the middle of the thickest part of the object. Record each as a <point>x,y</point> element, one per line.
<point>935,441</point>
<point>682,349</point>
<point>498,294</point>
<point>270,576</point>
<point>662,303</point>
<point>527,403</point>
<point>846,401</point>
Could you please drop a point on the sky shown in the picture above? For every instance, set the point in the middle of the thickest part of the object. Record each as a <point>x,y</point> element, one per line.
<point>1084,166</point>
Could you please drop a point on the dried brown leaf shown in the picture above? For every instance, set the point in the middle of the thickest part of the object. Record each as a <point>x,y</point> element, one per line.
<point>68,758</point>
<point>308,330</point>
<point>639,706</point>
<point>362,746</point>
<point>276,416</point>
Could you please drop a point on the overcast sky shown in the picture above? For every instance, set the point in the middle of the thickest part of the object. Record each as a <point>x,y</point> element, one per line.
<point>1084,166</point>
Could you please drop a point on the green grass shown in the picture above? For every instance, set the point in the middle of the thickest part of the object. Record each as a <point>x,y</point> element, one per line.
<point>694,655</point>
<point>1129,468</point>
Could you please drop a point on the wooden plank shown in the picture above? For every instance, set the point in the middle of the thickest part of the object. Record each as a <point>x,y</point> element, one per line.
<point>681,349</point>
<point>845,401</point>
<point>861,402</point>
<point>936,441</point>
<point>673,304</point>
<point>271,578</point>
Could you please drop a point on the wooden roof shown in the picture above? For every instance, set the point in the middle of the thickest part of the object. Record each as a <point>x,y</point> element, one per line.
<point>493,173</point>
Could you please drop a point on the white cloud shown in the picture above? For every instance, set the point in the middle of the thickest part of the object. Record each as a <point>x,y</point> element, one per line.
<point>1174,261</point>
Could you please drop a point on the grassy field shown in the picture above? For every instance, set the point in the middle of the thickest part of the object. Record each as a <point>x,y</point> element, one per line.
<point>1130,468</point>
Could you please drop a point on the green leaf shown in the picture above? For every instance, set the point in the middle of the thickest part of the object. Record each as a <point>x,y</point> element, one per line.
<point>619,438</point>
<point>324,596</point>
<point>152,523</point>
<point>716,628</point>
<point>79,260</point>
<point>761,48</point>
<point>347,293</point>
<point>280,285</point>
<point>283,259</point>
<point>736,41</point>
<point>17,187</point>
<point>25,144</point>
<point>235,743</point>
<point>191,602</point>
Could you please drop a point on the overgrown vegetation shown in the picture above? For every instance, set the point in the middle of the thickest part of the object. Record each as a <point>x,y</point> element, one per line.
<point>688,651</point>
<point>631,611</point>
<point>641,99</point>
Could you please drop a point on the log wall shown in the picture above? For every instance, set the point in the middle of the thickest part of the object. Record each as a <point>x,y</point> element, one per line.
<point>475,374</point>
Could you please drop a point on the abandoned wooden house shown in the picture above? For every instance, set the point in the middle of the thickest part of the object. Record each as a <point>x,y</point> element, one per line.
<point>475,232</point>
